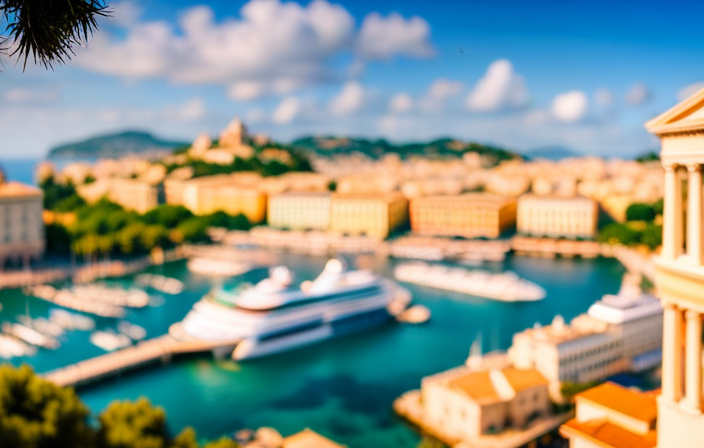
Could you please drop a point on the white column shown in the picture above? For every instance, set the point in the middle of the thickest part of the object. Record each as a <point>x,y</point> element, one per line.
<point>672,219</point>
<point>693,364</point>
<point>672,374</point>
<point>694,214</point>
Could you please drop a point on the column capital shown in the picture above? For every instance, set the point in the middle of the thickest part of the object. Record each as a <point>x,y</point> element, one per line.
<point>670,167</point>
<point>694,167</point>
<point>692,315</point>
<point>669,306</point>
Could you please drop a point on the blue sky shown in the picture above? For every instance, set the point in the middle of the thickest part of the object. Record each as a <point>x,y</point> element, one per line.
<point>583,75</point>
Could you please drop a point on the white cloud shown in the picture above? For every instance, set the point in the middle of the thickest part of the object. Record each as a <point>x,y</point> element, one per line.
<point>638,94</point>
<point>124,14</point>
<point>439,92</point>
<point>382,38</point>
<point>192,110</point>
<point>690,90</point>
<point>501,88</point>
<point>29,95</point>
<point>287,110</point>
<point>570,107</point>
<point>351,99</point>
<point>401,102</point>
<point>274,47</point>
<point>603,97</point>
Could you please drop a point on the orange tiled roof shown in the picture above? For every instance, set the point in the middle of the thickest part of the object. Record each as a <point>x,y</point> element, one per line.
<point>477,385</point>
<point>639,406</point>
<point>309,439</point>
<point>16,189</point>
<point>521,379</point>
<point>607,435</point>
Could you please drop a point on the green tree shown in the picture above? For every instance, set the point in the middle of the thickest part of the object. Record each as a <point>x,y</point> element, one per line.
<point>58,239</point>
<point>194,230</point>
<point>659,206</point>
<point>186,439</point>
<point>35,413</point>
<point>69,204</point>
<point>48,31</point>
<point>223,442</point>
<point>167,215</point>
<point>222,219</point>
<point>127,424</point>
<point>129,238</point>
<point>652,236</point>
<point>619,233</point>
<point>154,236</point>
<point>640,212</point>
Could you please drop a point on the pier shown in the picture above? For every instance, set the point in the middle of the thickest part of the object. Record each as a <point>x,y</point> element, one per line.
<point>160,349</point>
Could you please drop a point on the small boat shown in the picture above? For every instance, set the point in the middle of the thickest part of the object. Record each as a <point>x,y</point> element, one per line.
<point>134,332</point>
<point>30,336</point>
<point>417,314</point>
<point>71,321</point>
<point>161,283</point>
<point>11,347</point>
<point>42,325</point>
<point>219,268</point>
<point>109,340</point>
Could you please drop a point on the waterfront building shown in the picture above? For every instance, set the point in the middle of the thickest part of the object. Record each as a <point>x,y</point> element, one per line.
<point>466,403</point>
<point>207,198</point>
<point>555,216</point>
<point>21,224</point>
<point>375,215</point>
<point>577,353</point>
<point>679,274</point>
<point>468,215</point>
<point>309,439</point>
<point>305,210</point>
<point>232,193</point>
<point>132,194</point>
<point>620,333</point>
<point>611,416</point>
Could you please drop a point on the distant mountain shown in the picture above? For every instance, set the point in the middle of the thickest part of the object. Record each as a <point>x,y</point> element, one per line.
<point>552,153</point>
<point>115,145</point>
<point>326,146</point>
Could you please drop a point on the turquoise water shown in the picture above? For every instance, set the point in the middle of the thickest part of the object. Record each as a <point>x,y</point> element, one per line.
<point>343,387</point>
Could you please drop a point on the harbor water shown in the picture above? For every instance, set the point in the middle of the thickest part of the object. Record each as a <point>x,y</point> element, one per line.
<point>342,388</point>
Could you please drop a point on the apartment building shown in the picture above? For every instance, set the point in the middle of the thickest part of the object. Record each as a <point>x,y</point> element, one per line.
<point>375,215</point>
<point>304,210</point>
<point>555,216</point>
<point>21,224</point>
<point>468,215</point>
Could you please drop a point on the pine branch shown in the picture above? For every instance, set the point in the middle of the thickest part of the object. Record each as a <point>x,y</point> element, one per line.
<point>47,30</point>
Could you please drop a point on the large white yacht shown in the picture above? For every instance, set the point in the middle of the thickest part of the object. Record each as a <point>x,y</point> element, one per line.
<point>274,316</point>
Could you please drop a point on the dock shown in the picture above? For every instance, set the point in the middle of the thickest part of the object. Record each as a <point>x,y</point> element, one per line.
<point>409,406</point>
<point>160,349</point>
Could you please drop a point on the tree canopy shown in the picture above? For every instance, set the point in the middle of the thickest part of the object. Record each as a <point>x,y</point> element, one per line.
<point>46,31</point>
<point>36,413</point>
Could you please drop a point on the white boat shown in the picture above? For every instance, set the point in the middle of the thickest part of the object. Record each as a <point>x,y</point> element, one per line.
<point>42,325</point>
<point>11,347</point>
<point>132,297</point>
<point>134,332</point>
<point>71,321</point>
<point>161,283</point>
<point>273,316</point>
<point>109,340</point>
<point>505,286</point>
<point>417,314</point>
<point>68,299</point>
<point>30,335</point>
<point>218,268</point>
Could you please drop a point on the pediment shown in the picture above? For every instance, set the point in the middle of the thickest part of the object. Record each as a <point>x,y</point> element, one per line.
<point>686,116</point>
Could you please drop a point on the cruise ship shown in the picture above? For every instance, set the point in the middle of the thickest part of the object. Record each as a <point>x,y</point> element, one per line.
<point>275,316</point>
<point>505,286</point>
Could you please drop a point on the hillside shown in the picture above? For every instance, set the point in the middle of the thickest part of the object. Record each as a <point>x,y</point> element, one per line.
<point>115,145</point>
<point>327,146</point>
